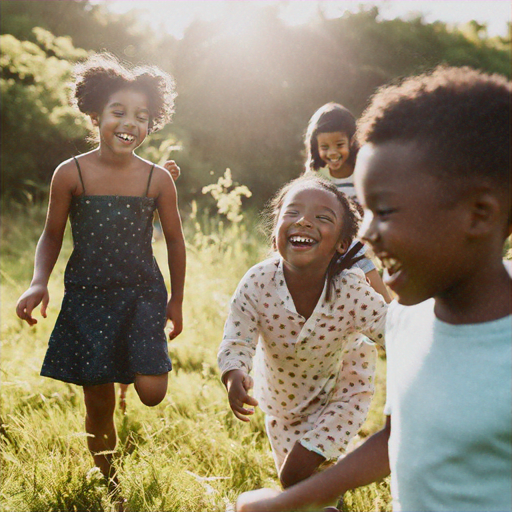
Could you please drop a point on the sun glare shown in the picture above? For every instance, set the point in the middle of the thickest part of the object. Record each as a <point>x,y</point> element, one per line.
<point>174,16</point>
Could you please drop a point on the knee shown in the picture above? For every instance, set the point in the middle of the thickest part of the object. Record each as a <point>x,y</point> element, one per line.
<point>151,388</point>
<point>151,399</point>
<point>289,475</point>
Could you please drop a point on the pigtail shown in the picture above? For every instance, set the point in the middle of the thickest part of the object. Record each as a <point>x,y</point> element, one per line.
<point>342,262</point>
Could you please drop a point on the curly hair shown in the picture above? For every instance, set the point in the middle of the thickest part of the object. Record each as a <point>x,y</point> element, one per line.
<point>350,224</point>
<point>102,74</point>
<point>331,117</point>
<point>460,118</point>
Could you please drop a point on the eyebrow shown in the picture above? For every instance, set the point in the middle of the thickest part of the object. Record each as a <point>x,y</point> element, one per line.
<point>117,104</point>
<point>330,210</point>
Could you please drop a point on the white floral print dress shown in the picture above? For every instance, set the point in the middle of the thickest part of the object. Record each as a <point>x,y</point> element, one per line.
<point>314,378</point>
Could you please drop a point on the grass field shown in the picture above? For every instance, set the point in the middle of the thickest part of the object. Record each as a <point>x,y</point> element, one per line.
<point>187,454</point>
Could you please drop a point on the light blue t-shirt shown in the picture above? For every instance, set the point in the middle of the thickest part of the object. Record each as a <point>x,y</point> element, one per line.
<point>450,400</point>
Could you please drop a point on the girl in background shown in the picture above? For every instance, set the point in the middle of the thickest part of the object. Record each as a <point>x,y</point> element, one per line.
<point>111,324</point>
<point>331,150</point>
<point>304,308</point>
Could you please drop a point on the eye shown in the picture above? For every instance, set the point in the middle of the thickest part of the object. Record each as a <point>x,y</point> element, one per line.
<point>143,119</point>
<point>118,113</point>
<point>325,218</point>
<point>385,212</point>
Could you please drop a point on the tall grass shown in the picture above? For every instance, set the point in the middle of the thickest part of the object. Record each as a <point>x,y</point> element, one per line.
<point>188,454</point>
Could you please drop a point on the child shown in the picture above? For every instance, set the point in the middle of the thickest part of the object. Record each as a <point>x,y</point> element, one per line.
<point>111,325</point>
<point>331,150</point>
<point>434,173</point>
<point>303,308</point>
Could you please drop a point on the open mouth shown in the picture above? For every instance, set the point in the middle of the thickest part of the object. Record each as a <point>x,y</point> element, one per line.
<point>301,241</point>
<point>125,137</point>
<point>392,265</point>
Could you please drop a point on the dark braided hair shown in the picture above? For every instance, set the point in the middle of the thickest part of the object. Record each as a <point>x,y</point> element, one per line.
<point>350,224</point>
<point>102,74</point>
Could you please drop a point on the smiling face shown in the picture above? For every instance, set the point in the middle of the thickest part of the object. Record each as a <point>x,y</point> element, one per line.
<point>308,228</point>
<point>414,227</point>
<point>334,150</point>
<point>123,123</point>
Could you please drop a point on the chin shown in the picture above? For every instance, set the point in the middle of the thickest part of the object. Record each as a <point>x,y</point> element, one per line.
<point>411,299</point>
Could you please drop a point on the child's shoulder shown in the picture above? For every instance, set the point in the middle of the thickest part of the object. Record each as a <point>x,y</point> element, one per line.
<point>264,270</point>
<point>352,276</point>
<point>66,175</point>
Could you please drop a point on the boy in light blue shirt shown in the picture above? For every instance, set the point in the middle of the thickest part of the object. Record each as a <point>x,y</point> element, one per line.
<point>434,177</point>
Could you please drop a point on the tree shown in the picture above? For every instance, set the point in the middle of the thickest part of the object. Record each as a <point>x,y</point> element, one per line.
<point>39,127</point>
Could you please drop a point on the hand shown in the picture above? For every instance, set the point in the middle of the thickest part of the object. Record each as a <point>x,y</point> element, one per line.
<point>256,501</point>
<point>238,383</point>
<point>175,316</point>
<point>173,168</point>
<point>35,295</point>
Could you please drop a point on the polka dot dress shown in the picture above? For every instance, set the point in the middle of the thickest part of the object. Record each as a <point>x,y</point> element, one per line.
<point>111,324</point>
<point>314,377</point>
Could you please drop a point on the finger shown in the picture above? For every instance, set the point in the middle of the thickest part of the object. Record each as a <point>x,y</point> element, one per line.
<point>44,305</point>
<point>242,413</point>
<point>238,405</point>
<point>248,382</point>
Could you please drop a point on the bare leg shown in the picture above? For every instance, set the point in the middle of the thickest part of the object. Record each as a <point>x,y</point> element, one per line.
<point>100,403</point>
<point>151,388</point>
<point>299,464</point>
<point>123,388</point>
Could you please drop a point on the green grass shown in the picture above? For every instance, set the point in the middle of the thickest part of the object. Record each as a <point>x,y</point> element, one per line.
<point>189,453</point>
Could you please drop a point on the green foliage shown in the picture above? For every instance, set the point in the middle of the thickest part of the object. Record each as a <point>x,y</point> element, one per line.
<point>244,98</point>
<point>189,453</point>
<point>39,127</point>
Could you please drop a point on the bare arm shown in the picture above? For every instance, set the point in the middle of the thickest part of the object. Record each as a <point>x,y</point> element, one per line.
<point>49,245</point>
<point>170,221</point>
<point>378,285</point>
<point>366,464</point>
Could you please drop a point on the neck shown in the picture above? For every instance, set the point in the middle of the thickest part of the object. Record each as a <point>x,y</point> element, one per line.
<point>110,159</point>
<point>343,172</point>
<point>485,298</point>
<point>305,287</point>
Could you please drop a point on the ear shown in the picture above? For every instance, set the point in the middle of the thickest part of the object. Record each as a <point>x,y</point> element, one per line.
<point>485,213</point>
<point>95,119</point>
<point>342,247</point>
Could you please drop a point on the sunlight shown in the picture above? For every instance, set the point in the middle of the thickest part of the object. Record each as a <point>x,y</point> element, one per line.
<point>174,16</point>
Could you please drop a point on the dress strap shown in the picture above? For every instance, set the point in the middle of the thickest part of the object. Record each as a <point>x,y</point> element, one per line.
<point>80,175</point>
<point>149,180</point>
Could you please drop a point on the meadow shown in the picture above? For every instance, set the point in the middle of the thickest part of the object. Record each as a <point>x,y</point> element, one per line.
<point>189,453</point>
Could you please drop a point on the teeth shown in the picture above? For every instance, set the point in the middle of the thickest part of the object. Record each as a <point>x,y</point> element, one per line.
<point>126,136</point>
<point>392,264</point>
<point>301,239</point>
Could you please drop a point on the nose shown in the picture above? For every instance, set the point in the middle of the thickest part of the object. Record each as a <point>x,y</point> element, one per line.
<point>303,221</point>
<point>129,122</point>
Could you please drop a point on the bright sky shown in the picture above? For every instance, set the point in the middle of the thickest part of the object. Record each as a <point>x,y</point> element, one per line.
<point>174,16</point>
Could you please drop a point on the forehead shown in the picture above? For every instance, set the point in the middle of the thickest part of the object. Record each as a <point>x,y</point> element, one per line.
<point>394,169</point>
<point>331,137</point>
<point>314,195</point>
<point>128,96</point>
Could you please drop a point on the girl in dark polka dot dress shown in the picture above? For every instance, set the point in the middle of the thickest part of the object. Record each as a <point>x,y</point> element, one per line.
<point>111,324</point>
<point>303,314</point>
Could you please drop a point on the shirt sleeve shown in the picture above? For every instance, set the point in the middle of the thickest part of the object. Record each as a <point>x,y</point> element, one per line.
<point>369,309</point>
<point>365,264</point>
<point>241,329</point>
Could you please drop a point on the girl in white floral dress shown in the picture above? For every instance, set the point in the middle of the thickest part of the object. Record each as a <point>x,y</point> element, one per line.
<point>307,312</point>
